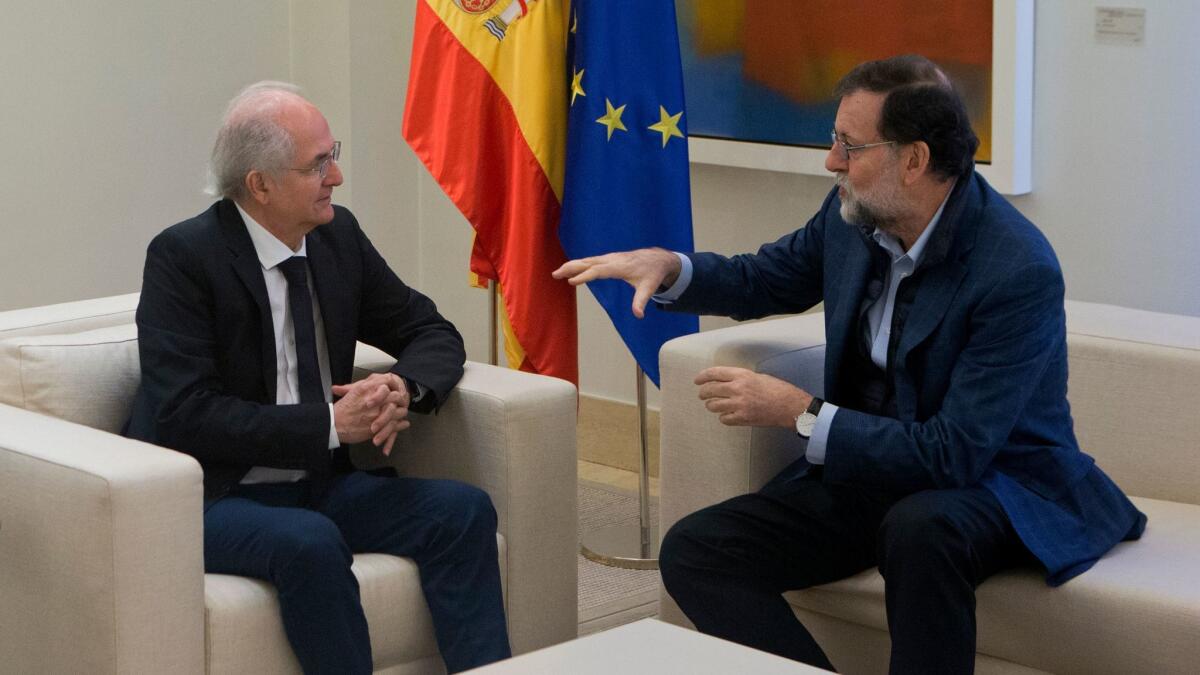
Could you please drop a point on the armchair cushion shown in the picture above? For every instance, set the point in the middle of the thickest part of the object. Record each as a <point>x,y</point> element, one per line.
<point>1022,620</point>
<point>88,377</point>
<point>244,633</point>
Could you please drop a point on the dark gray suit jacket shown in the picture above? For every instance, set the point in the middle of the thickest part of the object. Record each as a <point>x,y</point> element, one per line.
<point>207,344</point>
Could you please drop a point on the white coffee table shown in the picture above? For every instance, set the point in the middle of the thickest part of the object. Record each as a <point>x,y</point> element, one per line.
<point>647,646</point>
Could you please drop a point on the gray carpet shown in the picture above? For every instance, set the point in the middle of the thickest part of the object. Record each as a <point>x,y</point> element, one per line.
<point>611,596</point>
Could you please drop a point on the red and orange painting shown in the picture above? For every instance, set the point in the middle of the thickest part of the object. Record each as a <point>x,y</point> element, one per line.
<point>764,70</point>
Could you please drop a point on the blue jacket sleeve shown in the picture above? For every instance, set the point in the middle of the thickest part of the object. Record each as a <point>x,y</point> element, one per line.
<point>407,325</point>
<point>783,277</point>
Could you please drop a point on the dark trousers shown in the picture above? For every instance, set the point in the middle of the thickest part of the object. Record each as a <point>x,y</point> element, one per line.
<point>273,532</point>
<point>727,565</point>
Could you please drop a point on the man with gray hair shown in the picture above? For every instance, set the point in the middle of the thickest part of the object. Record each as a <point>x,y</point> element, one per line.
<point>249,372</point>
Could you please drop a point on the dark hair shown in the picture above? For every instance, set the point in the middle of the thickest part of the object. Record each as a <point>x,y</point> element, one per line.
<point>921,105</point>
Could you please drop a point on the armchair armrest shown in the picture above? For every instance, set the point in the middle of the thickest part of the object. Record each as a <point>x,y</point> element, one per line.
<point>513,435</point>
<point>703,461</point>
<point>101,559</point>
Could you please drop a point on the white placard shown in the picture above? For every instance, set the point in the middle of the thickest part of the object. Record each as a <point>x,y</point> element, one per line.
<point>1120,26</point>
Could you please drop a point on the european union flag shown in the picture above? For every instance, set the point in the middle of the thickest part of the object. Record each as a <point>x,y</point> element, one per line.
<point>627,160</point>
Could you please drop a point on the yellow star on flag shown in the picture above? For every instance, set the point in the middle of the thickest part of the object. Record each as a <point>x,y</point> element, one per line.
<point>667,125</point>
<point>574,23</point>
<point>577,85</point>
<point>612,118</point>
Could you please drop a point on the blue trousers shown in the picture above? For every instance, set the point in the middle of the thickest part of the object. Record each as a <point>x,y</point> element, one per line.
<point>304,548</point>
<point>727,565</point>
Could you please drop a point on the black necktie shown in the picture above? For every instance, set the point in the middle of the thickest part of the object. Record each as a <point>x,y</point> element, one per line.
<point>308,372</point>
<point>300,301</point>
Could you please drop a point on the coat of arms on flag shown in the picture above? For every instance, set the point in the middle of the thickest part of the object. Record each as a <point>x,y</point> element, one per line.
<point>486,115</point>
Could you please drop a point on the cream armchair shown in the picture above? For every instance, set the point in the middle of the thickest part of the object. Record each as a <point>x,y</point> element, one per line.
<point>1134,394</point>
<point>101,565</point>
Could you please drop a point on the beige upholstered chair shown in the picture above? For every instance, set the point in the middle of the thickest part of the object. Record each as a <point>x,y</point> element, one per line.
<point>1134,394</point>
<point>101,567</point>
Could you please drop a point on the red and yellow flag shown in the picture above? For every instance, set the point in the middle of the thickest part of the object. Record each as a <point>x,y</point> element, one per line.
<point>486,114</point>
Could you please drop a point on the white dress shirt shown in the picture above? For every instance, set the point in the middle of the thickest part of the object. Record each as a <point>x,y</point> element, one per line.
<point>271,251</point>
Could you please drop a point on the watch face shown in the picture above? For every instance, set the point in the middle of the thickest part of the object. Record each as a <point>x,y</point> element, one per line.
<point>805,424</point>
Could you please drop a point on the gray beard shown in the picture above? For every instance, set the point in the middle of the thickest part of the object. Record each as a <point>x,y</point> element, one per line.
<point>866,216</point>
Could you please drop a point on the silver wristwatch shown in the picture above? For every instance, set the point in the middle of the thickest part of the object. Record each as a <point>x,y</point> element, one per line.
<point>808,419</point>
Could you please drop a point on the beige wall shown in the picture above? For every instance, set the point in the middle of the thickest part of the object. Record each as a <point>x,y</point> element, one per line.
<point>108,113</point>
<point>109,108</point>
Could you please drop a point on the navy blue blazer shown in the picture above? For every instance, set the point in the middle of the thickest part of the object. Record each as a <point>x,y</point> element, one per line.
<point>207,345</point>
<point>979,370</point>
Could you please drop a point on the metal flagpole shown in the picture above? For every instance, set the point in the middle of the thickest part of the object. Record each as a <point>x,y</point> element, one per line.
<point>649,539</point>
<point>493,296</point>
<point>630,546</point>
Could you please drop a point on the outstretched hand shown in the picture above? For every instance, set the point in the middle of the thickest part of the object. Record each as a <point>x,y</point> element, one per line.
<point>646,269</point>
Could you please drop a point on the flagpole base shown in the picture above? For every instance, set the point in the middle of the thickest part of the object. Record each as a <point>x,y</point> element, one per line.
<point>626,546</point>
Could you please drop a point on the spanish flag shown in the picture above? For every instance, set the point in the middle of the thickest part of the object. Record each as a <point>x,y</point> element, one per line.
<point>486,114</point>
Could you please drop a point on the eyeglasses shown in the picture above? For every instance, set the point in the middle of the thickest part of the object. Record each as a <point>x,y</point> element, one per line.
<point>846,147</point>
<point>322,169</point>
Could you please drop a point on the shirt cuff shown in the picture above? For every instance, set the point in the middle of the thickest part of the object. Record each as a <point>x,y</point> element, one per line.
<point>333,439</point>
<point>681,282</point>
<point>815,454</point>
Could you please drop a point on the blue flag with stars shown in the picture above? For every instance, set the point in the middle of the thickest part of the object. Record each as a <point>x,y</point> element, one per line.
<point>626,183</point>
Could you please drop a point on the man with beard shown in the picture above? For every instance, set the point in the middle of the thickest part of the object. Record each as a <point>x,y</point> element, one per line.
<point>945,451</point>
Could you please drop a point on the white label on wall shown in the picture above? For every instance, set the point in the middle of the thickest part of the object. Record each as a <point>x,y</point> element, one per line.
<point>1120,26</point>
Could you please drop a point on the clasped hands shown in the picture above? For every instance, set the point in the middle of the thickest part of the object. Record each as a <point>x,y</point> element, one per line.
<point>375,408</point>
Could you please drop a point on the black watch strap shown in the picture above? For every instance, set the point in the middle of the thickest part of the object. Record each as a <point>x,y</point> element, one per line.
<point>815,406</point>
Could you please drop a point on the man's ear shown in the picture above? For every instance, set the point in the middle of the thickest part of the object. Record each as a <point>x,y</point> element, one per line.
<point>916,161</point>
<point>259,185</point>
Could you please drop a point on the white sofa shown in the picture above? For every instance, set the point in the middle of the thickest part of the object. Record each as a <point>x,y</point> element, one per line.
<point>101,565</point>
<point>1134,389</point>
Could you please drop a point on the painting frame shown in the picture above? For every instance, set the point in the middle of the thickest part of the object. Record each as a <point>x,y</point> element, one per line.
<point>1009,170</point>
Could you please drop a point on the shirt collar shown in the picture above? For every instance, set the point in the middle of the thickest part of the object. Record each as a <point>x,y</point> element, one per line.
<point>269,249</point>
<point>891,244</point>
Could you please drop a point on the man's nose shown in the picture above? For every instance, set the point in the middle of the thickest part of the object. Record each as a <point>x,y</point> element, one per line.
<point>835,160</point>
<point>334,176</point>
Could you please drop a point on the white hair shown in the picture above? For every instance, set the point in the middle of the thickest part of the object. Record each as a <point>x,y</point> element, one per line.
<point>250,138</point>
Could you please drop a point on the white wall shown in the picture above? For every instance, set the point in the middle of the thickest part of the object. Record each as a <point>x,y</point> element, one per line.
<point>109,109</point>
<point>108,114</point>
<point>1116,152</point>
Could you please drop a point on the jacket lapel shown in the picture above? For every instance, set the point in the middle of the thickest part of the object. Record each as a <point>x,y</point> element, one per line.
<point>932,300</point>
<point>849,286</point>
<point>246,266</point>
<point>944,267</point>
<point>336,302</point>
